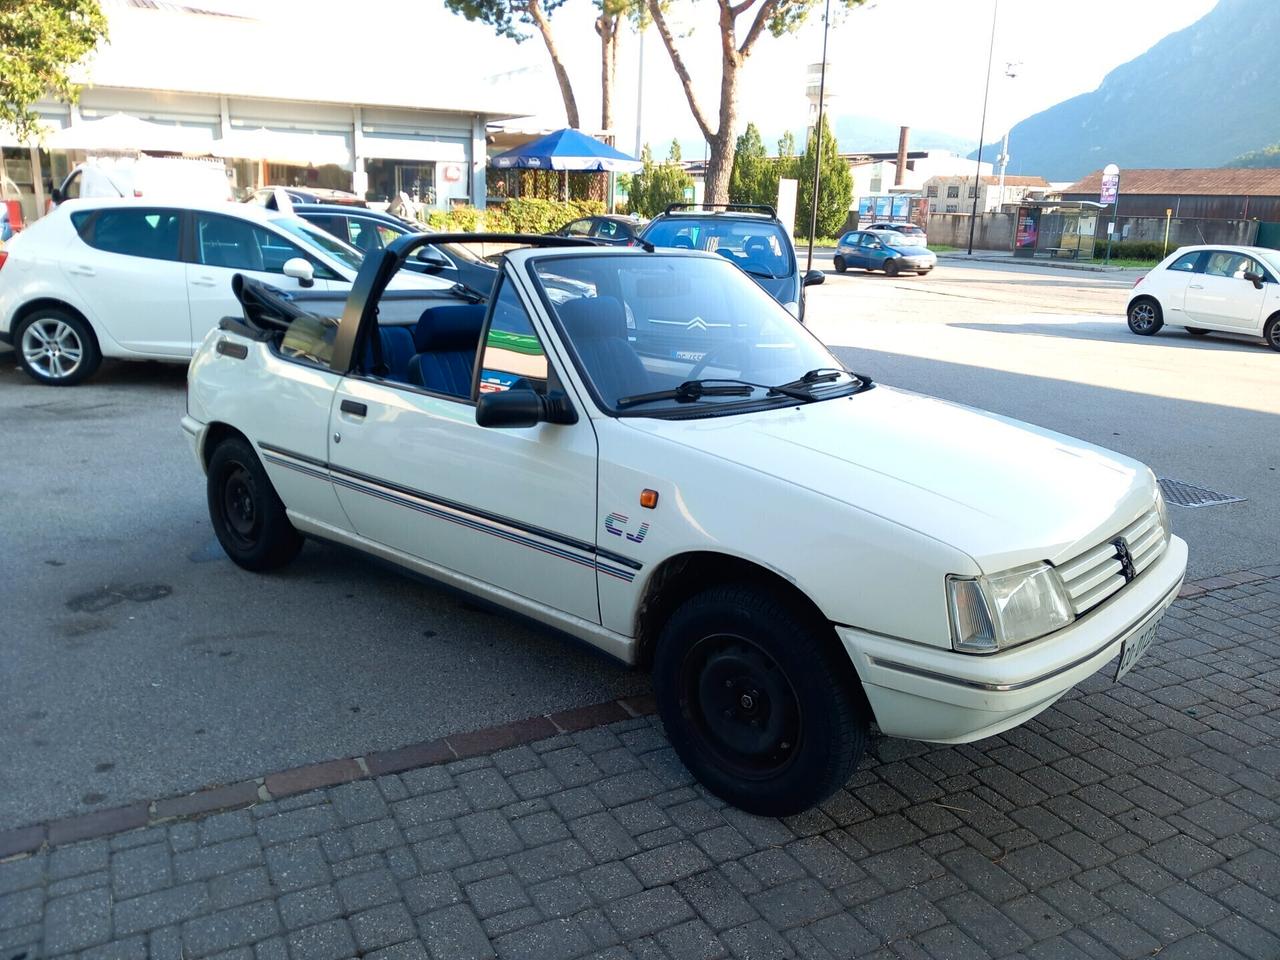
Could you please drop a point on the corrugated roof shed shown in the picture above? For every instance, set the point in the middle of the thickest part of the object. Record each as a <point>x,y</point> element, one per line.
<point>1210,182</point>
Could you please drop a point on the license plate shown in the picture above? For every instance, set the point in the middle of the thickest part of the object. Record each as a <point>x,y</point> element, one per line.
<point>1135,647</point>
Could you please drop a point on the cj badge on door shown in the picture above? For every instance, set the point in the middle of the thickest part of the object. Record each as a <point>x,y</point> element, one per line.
<point>617,523</point>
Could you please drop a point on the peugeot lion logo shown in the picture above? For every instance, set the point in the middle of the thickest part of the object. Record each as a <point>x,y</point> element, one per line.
<point>1125,558</point>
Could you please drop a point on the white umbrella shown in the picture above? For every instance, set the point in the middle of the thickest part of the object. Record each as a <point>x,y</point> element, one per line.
<point>123,132</point>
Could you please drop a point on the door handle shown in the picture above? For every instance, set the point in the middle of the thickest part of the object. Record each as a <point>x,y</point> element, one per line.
<point>353,407</point>
<point>81,271</point>
<point>204,282</point>
<point>1196,286</point>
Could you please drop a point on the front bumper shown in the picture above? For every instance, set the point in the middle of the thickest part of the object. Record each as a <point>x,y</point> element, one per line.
<point>930,693</point>
<point>195,431</point>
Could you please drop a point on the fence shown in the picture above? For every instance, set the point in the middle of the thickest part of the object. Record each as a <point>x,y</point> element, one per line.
<point>994,231</point>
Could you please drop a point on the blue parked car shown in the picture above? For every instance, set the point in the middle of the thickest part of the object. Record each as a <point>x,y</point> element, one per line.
<point>894,253</point>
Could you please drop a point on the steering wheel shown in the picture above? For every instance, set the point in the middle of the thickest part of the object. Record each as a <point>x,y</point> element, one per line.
<point>709,356</point>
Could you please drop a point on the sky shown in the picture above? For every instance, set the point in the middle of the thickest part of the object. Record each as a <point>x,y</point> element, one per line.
<point>915,62</point>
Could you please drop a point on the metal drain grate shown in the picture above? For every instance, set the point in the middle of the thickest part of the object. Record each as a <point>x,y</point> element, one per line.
<point>1189,495</point>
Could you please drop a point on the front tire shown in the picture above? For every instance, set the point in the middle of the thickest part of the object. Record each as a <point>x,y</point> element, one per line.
<point>1145,317</point>
<point>840,265</point>
<point>248,517</point>
<point>1271,332</point>
<point>758,701</point>
<point>57,348</point>
<point>891,268</point>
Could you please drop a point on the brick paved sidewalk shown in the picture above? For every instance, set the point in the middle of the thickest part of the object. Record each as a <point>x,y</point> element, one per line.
<point>1130,820</point>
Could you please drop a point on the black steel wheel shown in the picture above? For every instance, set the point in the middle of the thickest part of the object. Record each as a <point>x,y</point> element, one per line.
<point>839,264</point>
<point>1145,318</point>
<point>248,517</point>
<point>758,699</point>
<point>891,267</point>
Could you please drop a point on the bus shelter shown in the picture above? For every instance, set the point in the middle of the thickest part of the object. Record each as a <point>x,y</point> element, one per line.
<point>1060,229</point>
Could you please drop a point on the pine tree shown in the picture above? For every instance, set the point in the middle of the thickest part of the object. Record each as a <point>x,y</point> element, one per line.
<point>835,190</point>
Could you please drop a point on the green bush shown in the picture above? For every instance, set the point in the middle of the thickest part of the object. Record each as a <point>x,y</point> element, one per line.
<point>514,216</point>
<point>1132,249</point>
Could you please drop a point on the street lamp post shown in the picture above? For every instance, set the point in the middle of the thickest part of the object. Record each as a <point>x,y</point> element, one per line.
<point>982,129</point>
<point>1010,71</point>
<point>817,136</point>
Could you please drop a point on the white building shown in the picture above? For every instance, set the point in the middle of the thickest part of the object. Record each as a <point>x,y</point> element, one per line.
<point>307,109</point>
<point>955,194</point>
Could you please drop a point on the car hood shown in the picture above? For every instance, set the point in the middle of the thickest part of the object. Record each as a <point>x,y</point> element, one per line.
<point>1001,491</point>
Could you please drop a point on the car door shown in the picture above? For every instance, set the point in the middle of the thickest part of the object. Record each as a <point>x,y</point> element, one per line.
<point>871,252</point>
<point>1220,297</point>
<point>848,249</point>
<point>128,273</point>
<point>1169,286</point>
<point>222,246</point>
<point>513,508</point>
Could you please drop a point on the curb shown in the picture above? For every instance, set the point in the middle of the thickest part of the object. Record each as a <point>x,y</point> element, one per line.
<point>22,841</point>
<point>1052,264</point>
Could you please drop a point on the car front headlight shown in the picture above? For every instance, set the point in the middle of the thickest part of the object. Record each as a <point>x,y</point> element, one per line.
<point>1002,610</point>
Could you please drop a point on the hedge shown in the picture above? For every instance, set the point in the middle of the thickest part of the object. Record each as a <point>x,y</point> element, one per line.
<point>1132,249</point>
<point>522,215</point>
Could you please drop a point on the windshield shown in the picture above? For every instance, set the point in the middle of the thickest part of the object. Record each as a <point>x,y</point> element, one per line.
<point>317,239</point>
<point>759,247</point>
<point>651,322</point>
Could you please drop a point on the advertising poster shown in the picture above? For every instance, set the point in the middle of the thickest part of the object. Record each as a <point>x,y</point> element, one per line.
<point>884,207</point>
<point>1028,231</point>
<point>866,208</point>
<point>901,207</point>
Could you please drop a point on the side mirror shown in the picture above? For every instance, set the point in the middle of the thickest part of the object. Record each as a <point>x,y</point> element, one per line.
<point>431,260</point>
<point>522,407</point>
<point>814,278</point>
<point>56,195</point>
<point>301,270</point>
<point>1255,279</point>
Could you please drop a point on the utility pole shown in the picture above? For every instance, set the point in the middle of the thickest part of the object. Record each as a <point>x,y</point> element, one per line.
<point>639,92</point>
<point>982,129</point>
<point>1010,71</point>
<point>817,137</point>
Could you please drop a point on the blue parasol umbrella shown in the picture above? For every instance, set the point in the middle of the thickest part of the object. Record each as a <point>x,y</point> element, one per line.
<point>567,149</point>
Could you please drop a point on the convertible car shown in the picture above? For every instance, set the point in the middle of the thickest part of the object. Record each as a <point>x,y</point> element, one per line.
<point>644,450</point>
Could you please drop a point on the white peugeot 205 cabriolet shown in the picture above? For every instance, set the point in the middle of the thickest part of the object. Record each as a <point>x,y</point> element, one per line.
<point>645,451</point>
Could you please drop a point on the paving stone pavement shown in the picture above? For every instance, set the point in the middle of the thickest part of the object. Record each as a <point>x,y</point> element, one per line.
<point>1130,820</point>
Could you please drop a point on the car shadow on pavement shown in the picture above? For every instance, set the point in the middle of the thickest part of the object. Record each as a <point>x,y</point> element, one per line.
<point>1117,332</point>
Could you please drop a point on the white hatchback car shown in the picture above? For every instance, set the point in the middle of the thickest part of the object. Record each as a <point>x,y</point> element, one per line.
<point>670,467</point>
<point>1211,288</point>
<point>146,281</point>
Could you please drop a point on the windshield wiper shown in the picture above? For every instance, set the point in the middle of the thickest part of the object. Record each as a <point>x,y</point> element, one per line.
<point>822,375</point>
<point>469,294</point>
<point>692,390</point>
<point>761,274</point>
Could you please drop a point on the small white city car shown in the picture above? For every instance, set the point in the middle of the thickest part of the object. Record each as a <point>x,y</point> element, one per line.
<point>1206,289</point>
<point>137,280</point>
<point>646,451</point>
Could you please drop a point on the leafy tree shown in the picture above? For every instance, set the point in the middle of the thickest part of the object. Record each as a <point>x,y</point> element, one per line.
<point>658,184</point>
<point>777,18</point>
<point>1266,157</point>
<point>40,41</point>
<point>747,183</point>
<point>787,146</point>
<point>835,187</point>
<point>512,18</point>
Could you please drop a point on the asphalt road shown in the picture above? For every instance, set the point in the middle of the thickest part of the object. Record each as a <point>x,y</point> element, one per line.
<point>136,661</point>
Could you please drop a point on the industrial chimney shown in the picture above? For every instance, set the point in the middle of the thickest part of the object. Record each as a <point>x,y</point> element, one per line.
<point>900,175</point>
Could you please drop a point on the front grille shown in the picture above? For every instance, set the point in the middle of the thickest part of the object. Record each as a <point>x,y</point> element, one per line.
<point>1097,574</point>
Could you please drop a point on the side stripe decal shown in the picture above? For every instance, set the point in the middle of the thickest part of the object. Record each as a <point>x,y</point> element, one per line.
<point>495,526</point>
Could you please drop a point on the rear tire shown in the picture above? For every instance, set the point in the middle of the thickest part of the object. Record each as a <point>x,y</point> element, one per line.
<point>247,515</point>
<point>1271,332</point>
<point>1145,317</point>
<point>56,347</point>
<point>1196,331</point>
<point>891,268</point>
<point>840,264</point>
<point>759,701</point>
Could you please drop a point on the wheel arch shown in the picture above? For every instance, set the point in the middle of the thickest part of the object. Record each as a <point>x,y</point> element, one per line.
<point>1151,297</point>
<point>680,577</point>
<point>51,303</point>
<point>214,434</point>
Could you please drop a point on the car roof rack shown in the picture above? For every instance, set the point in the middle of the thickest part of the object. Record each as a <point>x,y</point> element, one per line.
<point>743,207</point>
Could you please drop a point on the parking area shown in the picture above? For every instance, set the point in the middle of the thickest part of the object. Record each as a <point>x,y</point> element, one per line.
<point>140,664</point>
